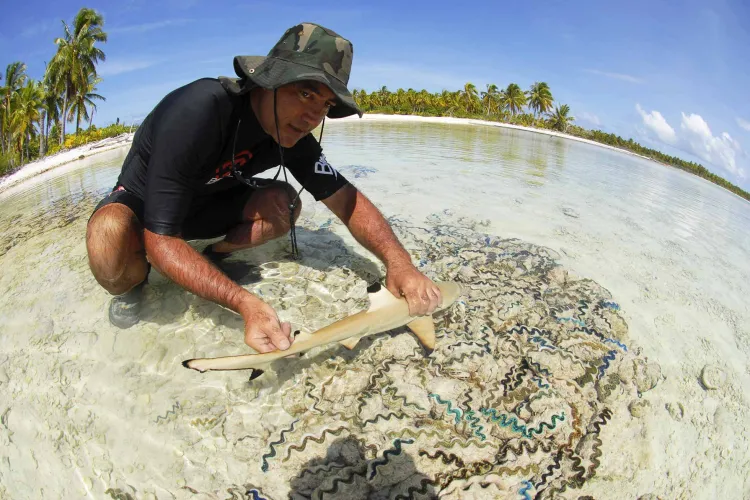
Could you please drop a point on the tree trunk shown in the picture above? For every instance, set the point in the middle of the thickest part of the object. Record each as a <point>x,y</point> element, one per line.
<point>46,132</point>
<point>78,120</point>
<point>2,131</point>
<point>41,134</point>
<point>91,118</point>
<point>64,113</point>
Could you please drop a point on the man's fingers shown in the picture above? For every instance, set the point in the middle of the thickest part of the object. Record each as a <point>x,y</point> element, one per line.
<point>278,337</point>
<point>394,291</point>
<point>420,301</point>
<point>262,345</point>
<point>412,302</point>
<point>434,299</point>
<point>286,328</point>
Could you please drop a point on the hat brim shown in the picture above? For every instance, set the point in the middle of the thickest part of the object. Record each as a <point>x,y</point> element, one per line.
<point>271,73</point>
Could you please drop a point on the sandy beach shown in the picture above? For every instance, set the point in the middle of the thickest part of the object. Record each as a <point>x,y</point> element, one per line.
<point>48,163</point>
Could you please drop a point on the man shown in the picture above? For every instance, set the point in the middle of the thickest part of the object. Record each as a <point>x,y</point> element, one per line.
<point>188,175</point>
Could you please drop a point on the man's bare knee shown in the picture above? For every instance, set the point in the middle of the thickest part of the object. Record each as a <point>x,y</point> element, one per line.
<point>114,241</point>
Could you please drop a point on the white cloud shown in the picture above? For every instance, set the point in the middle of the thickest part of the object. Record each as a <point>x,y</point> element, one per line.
<point>696,137</point>
<point>589,117</point>
<point>140,28</point>
<point>116,67</point>
<point>655,122</point>
<point>720,150</point>
<point>616,76</point>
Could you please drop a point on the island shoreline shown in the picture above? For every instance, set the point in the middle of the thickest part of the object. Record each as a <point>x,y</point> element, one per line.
<point>48,163</point>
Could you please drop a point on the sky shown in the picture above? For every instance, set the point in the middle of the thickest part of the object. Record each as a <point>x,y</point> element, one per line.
<point>673,75</point>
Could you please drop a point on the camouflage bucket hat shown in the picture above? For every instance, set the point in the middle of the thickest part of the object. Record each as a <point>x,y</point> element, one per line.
<point>305,52</point>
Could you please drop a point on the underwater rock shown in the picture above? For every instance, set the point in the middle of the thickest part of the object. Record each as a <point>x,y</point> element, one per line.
<point>645,375</point>
<point>676,410</point>
<point>570,212</point>
<point>712,377</point>
<point>639,407</point>
<point>649,496</point>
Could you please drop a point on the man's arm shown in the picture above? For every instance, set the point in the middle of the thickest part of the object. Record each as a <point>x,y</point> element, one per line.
<point>368,226</point>
<point>371,230</point>
<point>177,260</point>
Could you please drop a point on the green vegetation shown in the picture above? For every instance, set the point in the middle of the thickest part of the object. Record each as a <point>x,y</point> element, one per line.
<point>33,111</point>
<point>533,108</point>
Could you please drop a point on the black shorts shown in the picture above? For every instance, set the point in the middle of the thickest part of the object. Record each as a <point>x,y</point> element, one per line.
<point>210,218</point>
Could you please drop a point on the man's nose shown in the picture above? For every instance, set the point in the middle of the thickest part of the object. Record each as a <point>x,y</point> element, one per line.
<point>313,114</point>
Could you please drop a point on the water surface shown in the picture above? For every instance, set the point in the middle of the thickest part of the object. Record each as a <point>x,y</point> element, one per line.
<point>594,280</point>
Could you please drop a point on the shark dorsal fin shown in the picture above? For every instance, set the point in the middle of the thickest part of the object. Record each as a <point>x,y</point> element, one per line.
<point>380,299</point>
<point>424,329</point>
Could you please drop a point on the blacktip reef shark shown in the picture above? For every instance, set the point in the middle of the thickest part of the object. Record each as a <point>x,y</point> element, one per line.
<point>385,313</point>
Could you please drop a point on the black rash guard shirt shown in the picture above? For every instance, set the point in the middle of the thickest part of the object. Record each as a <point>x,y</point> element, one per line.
<point>181,154</point>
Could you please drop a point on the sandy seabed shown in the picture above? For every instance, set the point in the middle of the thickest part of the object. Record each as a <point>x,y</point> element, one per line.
<point>635,391</point>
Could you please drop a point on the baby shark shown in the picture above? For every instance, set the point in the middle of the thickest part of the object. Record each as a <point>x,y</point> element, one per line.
<point>385,313</point>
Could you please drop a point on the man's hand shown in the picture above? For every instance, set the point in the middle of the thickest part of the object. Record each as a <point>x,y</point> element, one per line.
<point>422,295</point>
<point>263,330</point>
<point>370,229</point>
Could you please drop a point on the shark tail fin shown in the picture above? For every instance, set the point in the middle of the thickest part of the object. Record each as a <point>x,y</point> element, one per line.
<point>424,329</point>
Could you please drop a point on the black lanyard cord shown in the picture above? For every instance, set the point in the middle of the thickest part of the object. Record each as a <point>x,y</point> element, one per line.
<point>253,183</point>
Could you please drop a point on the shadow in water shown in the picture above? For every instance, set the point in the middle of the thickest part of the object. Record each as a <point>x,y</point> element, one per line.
<point>320,249</point>
<point>350,470</point>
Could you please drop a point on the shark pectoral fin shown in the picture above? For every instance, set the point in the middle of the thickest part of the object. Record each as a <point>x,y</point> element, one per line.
<point>259,370</point>
<point>350,342</point>
<point>424,329</point>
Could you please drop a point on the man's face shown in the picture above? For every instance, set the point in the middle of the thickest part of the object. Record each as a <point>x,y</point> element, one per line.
<point>300,108</point>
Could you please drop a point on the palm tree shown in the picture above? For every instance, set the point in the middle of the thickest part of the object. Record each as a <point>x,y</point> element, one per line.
<point>52,106</point>
<point>83,97</point>
<point>489,98</point>
<point>399,98</point>
<point>384,95</point>
<point>76,57</point>
<point>470,98</point>
<point>540,98</point>
<point>448,101</point>
<point>27,103</point>
<point>513,99</point>
<point>15,77</point>
<point>559,120</point>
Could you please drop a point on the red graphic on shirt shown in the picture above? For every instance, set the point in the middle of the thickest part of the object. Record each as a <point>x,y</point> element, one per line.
<point>225,169</point>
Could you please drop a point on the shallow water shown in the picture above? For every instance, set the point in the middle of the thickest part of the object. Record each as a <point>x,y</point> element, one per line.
<point>591,276</point>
